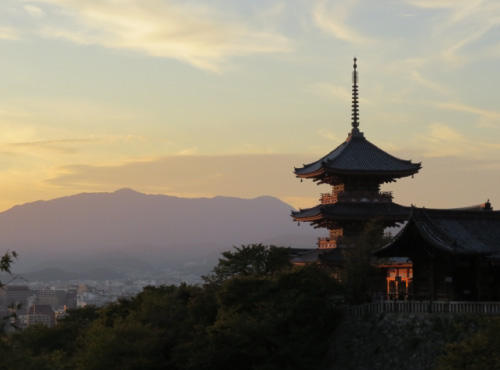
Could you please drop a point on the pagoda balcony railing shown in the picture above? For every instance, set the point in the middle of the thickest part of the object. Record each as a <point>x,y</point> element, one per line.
<point>328,243</point>
<point>327,198</point>
<point>357,196</point>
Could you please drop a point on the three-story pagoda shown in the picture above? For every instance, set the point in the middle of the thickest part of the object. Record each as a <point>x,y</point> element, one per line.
<point>355,169</point>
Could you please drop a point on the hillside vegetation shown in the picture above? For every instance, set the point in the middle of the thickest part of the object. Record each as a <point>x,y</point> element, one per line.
<point>255,311</point>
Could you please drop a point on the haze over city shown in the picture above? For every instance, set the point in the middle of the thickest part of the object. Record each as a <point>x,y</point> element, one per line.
<point>198,99</point>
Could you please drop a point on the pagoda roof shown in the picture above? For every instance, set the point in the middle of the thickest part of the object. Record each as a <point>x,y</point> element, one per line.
<point>330,256</point>
<point>473,231</point>
<point>306,256</point>
<point>334,256</point>
<point>357,156</point>
<point>353,211</point>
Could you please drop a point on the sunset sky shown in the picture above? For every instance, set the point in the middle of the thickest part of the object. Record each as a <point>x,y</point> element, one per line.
<point>224,97</point>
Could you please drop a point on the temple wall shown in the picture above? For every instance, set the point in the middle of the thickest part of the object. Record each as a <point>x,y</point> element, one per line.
<point>395,341</point>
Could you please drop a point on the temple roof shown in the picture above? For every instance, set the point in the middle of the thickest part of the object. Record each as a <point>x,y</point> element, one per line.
<point>461,232</point>
<point>307,256</point>
<point>330,256</point>
<point>353,211</point>
<point>357,156</point>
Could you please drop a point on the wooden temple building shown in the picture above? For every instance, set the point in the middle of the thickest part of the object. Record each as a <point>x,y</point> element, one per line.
<point>455,253</point>
<point>440,254</point>
<point>355,170</point>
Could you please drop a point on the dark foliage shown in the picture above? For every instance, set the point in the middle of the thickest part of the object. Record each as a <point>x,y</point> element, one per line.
<point>254,312</point>
<point>5,264</point>
<point>6,261</point>
<point>254,259</point>
<point>359,272</point>
<point>478,352</point>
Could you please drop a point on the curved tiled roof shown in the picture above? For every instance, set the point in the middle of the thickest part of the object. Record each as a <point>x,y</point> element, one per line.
<point>358,156</point>
<point>450,231</point>
<point>353,211</point>
<point>325,255</point>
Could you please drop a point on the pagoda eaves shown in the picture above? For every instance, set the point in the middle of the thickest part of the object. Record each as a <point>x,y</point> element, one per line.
<point>324,214</point>
<point>355,170</point>
<point>357,157</point>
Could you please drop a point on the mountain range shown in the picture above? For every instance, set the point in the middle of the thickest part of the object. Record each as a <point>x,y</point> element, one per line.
<point>131,230</point>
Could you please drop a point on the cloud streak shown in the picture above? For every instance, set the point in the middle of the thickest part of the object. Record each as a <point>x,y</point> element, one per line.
<point>489,118</point>
<point>34,11</point>
<point>330,90</point>
<point>8,33</point>
<point>66,146</point>
<point>464,24</point>
<point>189,32</point>
<point>193,176</point>
<point>442,141</point>
<point>429,84</point>
<point>70,146</point>
<point>332,18</point>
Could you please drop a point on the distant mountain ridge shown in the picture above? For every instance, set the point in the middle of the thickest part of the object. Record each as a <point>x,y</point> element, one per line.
<point>157,229</point>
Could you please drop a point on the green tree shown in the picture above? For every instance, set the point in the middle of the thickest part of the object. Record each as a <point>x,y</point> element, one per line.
<point>254,259</point>
<point>277,321</point>
<point>358,273</point>
<point>42,347</point>
<point>142,332</point>
<point>258,312</point>
<point>477,352</point>
<point>128,344</point>
<point>6,262</point>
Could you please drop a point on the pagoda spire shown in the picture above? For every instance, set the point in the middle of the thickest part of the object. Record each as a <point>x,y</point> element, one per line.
<point>355,106</point>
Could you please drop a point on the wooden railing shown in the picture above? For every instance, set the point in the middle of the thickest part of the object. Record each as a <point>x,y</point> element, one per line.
<point>327,198</point>
<point>478,308</point>
<point>328,243</point>
<point>367,196</point>
<point>356,196</point>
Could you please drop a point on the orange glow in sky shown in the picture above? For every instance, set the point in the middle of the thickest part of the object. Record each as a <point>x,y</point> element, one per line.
<point>194,98</point>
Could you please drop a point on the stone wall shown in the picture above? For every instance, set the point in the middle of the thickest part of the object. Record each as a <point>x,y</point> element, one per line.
<point>395,341</point>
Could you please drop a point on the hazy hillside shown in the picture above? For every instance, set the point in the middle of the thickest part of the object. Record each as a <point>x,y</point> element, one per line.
<point>157,229</point>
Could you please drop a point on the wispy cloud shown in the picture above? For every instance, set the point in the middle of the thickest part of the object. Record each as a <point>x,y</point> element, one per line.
<point>191,176</point>
<point>332,18</point>
<point>488,118</point>
<point>273,12</point>
<point>452,55</point>
<point>416,76</point>
<point>190,32</point>
<point>34,11</point>
<point>438,4</point>
<point>66,146</point>
<point>330,90</point>
<point>441,140</point>
<point>69,146</point>
<point>463,23</point>
<point>8,33</point>
<point>329,135</point>
<point>59,116</point>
